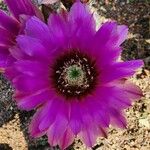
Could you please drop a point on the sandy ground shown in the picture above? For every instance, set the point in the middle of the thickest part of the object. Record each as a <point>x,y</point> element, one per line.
<point>13,123</point>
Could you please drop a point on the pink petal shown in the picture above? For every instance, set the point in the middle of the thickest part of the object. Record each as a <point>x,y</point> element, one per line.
<point>50,113</point>
<point>122,31</point>
<point>56,131</point>
<point>89,135</point>
<point>67,139</point>
<point>117,118</point>
<point>34,125</point>
<point>133,91</point>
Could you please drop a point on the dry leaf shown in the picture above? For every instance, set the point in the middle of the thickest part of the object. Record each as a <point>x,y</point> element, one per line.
<point>47,1</point>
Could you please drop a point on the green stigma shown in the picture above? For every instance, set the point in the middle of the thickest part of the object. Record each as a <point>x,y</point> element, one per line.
<point>75,75</point>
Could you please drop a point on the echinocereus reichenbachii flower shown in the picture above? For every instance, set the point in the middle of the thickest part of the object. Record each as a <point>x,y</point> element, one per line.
<point>70,72</point>
<point>11,26</point>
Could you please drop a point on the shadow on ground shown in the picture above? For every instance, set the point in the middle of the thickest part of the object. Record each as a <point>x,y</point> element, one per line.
<point>5,146</point>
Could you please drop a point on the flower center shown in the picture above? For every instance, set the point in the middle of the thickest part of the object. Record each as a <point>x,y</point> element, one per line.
<point>74,75</point>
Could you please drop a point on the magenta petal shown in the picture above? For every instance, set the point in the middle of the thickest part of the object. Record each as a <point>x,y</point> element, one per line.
<point>3,60</point>
<point>133,64</point>
<point>105,33</point>
<point>30,83</point>
<point>17,53</point>
<point>89,131</point>
<point>120,101</point>
<point>105,45</point>
<point>35,28</point>
<point>51,112</point>
<point>3,56</point>
<point>98,106</point>
<point>31,68</point>
<point>107,40</point>
<point>60,30</point>
<point>5,37</point>
<point>82,25</point>
<point>112,34</point>
<point>101,116</point>
<point>123,94</point>
<point>117,74</point>
<point>9,23</point>
<point>75,118</point>
<point>80,15</point>
<point>10,72</point>
<point>6,61</point>
<point>32,101</point>
<point>120,70</point>
<point>55,120</point>
<point>101,54</point>
<point>18,7</point>
<point>32,47</point>
<point>4,49</point>
<point>42,113</point>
